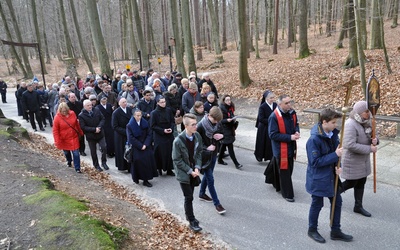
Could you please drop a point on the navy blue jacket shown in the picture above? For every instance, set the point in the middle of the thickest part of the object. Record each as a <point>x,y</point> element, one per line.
<point>322,160</point>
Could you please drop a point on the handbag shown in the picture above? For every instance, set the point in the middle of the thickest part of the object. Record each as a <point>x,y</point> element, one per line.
<point>195,180</point>
<point>128,154</point>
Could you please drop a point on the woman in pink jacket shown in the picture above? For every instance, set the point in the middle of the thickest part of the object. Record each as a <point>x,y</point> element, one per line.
<point>66,132</point>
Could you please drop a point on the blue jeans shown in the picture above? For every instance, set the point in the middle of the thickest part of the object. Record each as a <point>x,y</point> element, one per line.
<point>77,158</point>
<point>208,181</point>
<point>316,205</point>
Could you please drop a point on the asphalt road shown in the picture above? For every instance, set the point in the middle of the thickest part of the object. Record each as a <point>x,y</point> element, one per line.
<point>257,217</point>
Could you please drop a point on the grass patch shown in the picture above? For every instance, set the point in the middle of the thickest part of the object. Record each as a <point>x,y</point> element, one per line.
<point>63,224</point>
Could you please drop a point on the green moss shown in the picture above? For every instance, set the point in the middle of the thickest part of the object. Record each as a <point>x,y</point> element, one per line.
<point>63,224</point>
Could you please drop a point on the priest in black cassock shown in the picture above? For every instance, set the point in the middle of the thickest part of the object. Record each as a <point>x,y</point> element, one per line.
<point>120,119</point>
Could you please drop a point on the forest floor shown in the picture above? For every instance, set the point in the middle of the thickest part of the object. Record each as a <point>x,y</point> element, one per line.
<point>314,82</point>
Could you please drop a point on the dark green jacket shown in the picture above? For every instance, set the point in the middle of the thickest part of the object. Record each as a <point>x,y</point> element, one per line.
<point>180,156</point>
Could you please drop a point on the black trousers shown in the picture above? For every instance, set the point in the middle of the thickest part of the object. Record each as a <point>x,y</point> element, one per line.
<point>93,151</point>
<point>82,145</point>
<point>356,184</point>
<point>188,190</point>
<point>32,115</point>
<point>285,177</point>
<point>3,97</point>
<point>231,152</point>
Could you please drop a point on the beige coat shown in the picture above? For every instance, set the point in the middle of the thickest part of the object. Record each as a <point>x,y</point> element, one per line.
<point>355,162</point>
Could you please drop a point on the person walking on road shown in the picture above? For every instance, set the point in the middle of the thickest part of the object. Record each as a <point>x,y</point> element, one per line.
<point>358,145</point>
<point>186,155</point>
<point>284,131</point>
<point>210,130</point>
<point>31,105</point>
<point>3,90</point>
<point>323,154</point>
<point>92,121</point>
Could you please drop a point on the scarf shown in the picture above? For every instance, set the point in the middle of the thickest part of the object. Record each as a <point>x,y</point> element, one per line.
<point>209,128</point>
<point>136,129</point>
<point>284,145</point>
<point>365,123</point>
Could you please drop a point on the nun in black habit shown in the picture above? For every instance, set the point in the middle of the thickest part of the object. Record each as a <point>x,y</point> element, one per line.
<point>143,166</point>
<point>107,110</point>
<point>263,148</point>
<point>162,123</point>
<point>120,119</point>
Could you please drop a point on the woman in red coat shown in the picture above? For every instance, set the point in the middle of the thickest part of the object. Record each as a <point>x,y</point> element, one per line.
<point>66,132</point>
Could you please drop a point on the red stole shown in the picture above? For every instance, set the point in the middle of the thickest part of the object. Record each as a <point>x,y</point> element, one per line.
<point>284,145</point>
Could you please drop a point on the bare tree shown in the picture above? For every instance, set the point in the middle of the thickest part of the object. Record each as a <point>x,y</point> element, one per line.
<point>276,24</point>
<point>68,42</point>
<point>304,51</point>
<point>389,69</point>
<point>132,40</point>
<point>177,37</point>
<point>244,77</point>
<point>359,45</point>
<point>395,14</point>
<point>187,36</point>
<point>140,35</point>
<point>37,32</point>
<point>375,38</point>
<point>345,24</point>
<point>362,7</point>
<point>197,28</point>
<point>219,58</point>
<point>290,22</point>
<point>224,41</point>
<point>257,29</point>
<point>98,38</point>
<point>352,58</point>
<point>329,18</point>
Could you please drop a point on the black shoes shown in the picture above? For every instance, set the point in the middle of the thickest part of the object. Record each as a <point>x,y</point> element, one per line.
<point>147,184</point>
<point>82,153</point>
<point>136,181</point>
<point>222,163</point>
<point>258,159</point>
<point>289,199</point>
<point>42,129</point>
<point>69,165</point>
<point>220,209</point>
<point>313,234</point>
<point>361,210</point>
<point>238,166</point>
<point>194,225</point>
<point>205,198</point>
<point>78,171</point>
<point>339,235</point>
<point>98,168</point>
<point>104,165</point>
<point>170,173</point>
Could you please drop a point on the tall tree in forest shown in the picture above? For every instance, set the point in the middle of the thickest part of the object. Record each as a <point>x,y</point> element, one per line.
<point>197,29</point>
<point>357,17</point>
<point>14,53</point>
<point>244,77</point>
<point>352,58</point>
<point>140,34</point>
<point>187,36</point>
<point>177,37</point>
<point>290,22</point>
<point>271,30</point>
<point>68,42</point>
<point>164,17</point>
<point>304,51</point>
<point>276,24</point>
<point>215,32</point>
<point>224,39</point>
<point>362,7</point>
<point>147,24</point>
<point>345,24</point>
<point>79,35</point>
<point>37,32</point>
<point>375,38</point>
<point>389,69</point>
<point>98,39</point>
<point>46,45</point>
<point>132,40</point>
<point>17,31</point>
<point>395,14</point>
<point>257,31</point>
<point>329,18</point>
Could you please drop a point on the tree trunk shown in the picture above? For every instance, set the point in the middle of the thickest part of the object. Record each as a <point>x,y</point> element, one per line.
<point>68,42</point>
<point>270,22</point>
<point>37,31</point>
<point>48,57</point>
<point>266,23</point>
<point>125,28</point>
<point>14,53</point>
<point>187,36</point>
<point>389,69</point>
<point>250,29</point>
<point>290,23</point>
<point>329,18</point>
<point>197,28</point>
<point>164,17</point>
<point>345,25</point>
<point>352,58</point>
<point>17,31</point>
<point>140,35</point>
<point>224,40</point>
<point>361,60</point>
<point>121,24</point>
<point>132,41</point>
<point>80,40</point>
<point>257,29</point>
<point>275,46</point>
<point>304,51</point>
<point>215,32</point>
<point>244,77</point>
<point>98,39</point>
<point>363,22</point>
<point>148,32</point>
<point>395,14</point>
<point>176,32</point>
<point>375,41</point>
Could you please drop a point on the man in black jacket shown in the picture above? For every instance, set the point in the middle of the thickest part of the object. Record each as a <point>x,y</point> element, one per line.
<point>31,105</point>
<point>92,122</point>
<point>77,107</point>
<point>3,90</point>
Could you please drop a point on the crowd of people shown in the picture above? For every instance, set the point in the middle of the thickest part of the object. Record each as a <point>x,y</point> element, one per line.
<point>181,127</point>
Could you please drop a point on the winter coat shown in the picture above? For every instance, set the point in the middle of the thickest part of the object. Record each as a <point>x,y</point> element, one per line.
<point>119,121</point>
<point>188,101</point>
<point>322,160</point>
<point>66,136</point>
<point>228,128</point>
<point>30,101</point>
<point>173,101</point>
<point>89,124</point>
<point>180,156</point>
<point>146,107</point>
<point>356,162</point>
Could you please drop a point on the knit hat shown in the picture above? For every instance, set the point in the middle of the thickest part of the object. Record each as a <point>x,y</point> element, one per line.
<point>360,107</point>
